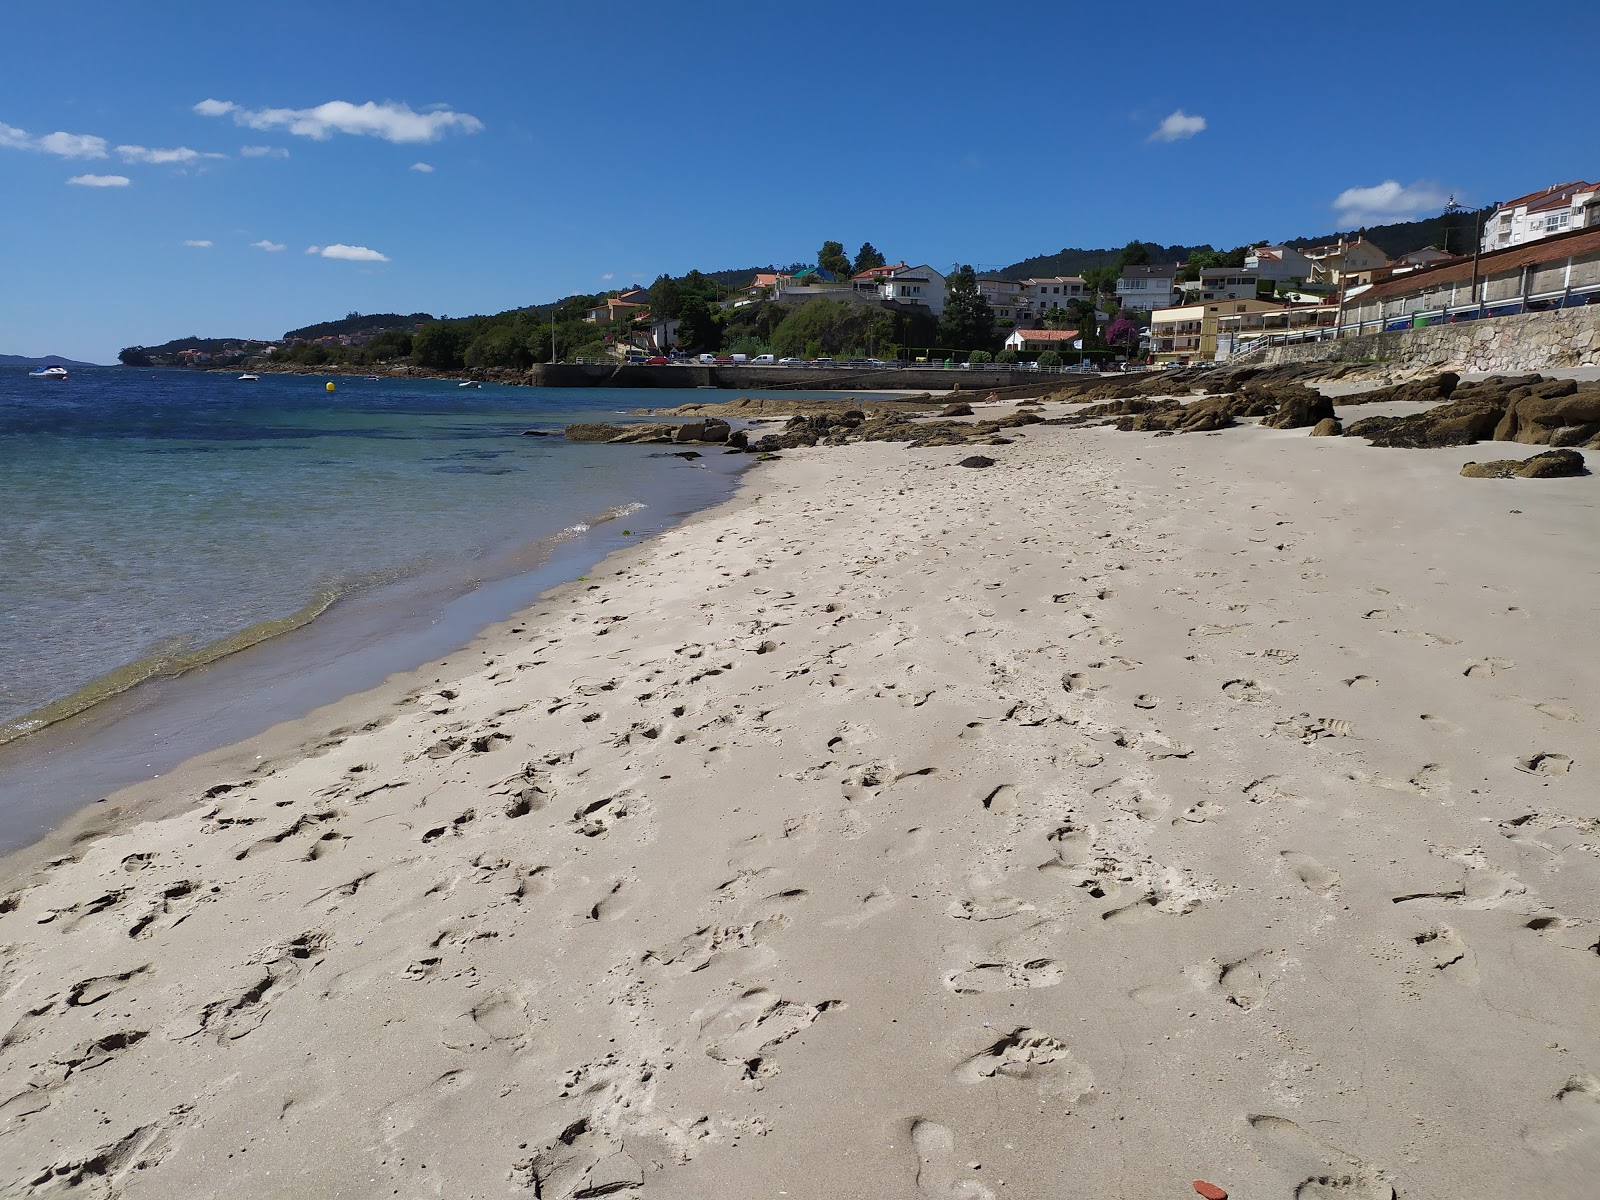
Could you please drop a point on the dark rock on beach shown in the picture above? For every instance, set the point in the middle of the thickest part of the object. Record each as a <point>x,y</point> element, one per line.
<point>963,409</point>
<point>1300,408</point>
<point>976,460</point>
<point>1552,464</point>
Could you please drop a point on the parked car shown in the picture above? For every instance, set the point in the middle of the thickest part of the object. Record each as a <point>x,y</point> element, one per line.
<point>724,360</point>
<point>635,360</point>
<point>822,362</point>
<point>655,361</point>
<point>763,360</point>
<point>791,362</point>
<point>875,362</point>
<point>738,359</point>
<point>708,359</point>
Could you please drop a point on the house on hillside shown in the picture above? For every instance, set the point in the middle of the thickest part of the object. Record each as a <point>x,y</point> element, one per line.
<point>1053,291</point>
<point>1559,208</point>
<point>920,285</point>
<point>1428,256</point>
<point>1345,262</point>
<point>1030,341</point>
<point>1006,298</point>
<point>625,307</point>
<point>1148,287</point>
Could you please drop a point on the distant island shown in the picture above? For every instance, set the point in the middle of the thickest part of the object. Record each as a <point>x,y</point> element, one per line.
<point>49,360</point>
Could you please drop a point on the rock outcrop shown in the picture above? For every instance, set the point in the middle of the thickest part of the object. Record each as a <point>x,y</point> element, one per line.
<point>1299,408</point>
<point>711,430</point>
<point>1552,464</point>
<point>1555,412</point>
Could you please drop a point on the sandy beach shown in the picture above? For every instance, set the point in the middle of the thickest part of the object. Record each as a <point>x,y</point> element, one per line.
<point>1138,810</point>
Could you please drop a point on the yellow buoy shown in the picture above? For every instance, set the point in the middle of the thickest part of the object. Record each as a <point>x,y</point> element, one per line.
<point>331,388</point>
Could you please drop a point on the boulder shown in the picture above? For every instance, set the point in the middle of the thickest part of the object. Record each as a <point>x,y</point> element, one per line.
<point>977,460</point>
<point>738,439</point>
<point>962,409</point>
<point>1552,464</point>
<point>1300,408</point>
<point>1459,422</point>
<point>655,431</point>
<point>690,431</point>
<point>1202,416</point>
<point>1327,427</point>
<point>1434,389</point>
<point>1556,412</point>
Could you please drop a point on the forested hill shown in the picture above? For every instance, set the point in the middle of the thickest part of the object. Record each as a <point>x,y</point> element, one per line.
<point>1394,240</point>
<point>360,323</point>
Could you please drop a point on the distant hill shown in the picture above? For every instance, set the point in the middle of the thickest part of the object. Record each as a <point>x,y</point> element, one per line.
<point>354,323</point>
<point>49,360</point>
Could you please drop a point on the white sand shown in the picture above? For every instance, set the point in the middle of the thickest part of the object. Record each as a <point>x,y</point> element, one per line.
<point>1138,810</point>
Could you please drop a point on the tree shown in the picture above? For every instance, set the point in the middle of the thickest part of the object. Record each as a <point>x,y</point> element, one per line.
<point>1049,359</point>
<point>697,326</point>
<point>1007,356</point>
<point>133,356</point>
<point>438,346</point>
<point>980,358</point>
<point>832,258</point>
<point>1102,280</point>
<point>666,298</point>
<point>1122,334</point>
<point>1134,254</point>
<point>968,321</point>
<point>868,257</point>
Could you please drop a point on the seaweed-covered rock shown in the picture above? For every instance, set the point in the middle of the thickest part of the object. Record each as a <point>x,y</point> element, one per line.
<point>976,460</point>
<point>1555,412</point>
<point>1434,389</point>
<point>1552,464</point>
<point>1300,408</point>
<point>963,409</point>
<point>1456,423</point>
<point>1327,427</point>
<point>653,431</point>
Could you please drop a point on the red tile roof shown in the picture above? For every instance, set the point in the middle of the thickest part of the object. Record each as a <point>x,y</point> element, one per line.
<point>1560,198</point>
<point>1550,249</point>
<point>1048,335</point>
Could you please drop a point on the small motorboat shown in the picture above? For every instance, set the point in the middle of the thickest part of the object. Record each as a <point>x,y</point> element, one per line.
<point>372,379</point>
<point>249,378</point>
<point>48,373</point>
<point>472,383</point>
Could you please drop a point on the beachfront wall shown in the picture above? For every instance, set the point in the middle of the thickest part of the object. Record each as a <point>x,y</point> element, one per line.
<point>1537,341</point>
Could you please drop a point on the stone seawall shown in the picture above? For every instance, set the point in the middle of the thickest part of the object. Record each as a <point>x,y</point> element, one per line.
<point>1508,345</point>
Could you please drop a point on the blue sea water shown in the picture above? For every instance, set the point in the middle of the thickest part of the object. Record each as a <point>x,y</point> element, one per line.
<point>153,521</point>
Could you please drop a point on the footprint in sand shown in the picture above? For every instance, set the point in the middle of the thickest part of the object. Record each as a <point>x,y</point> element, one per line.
<point>1547,763</point>
<point>1574,1116</point>
<point>1323,1171</point>
<point>1316,877</point>
<point>1444,950</point>
<point>1027,1054</point>
<point>1242,982</point>
<point>1004,976</point>
<point>1487,668</point>
<point>937,1173</point>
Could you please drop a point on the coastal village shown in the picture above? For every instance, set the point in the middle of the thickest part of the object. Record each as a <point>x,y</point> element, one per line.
<point>1539,251</point>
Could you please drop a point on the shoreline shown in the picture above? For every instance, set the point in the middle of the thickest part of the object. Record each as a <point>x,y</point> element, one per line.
<point>1134,811</point>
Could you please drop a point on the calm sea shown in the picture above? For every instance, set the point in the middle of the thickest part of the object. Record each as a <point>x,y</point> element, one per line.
<point>153,522</point>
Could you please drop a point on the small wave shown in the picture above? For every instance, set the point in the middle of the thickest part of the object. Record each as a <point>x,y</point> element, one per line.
<point>623,510</point>
<point>177,658</point>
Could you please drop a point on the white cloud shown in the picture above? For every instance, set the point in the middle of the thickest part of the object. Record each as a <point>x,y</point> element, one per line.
<point>66,145</point>
<point>179,154</point>
<point>425,168</point>
<point>263,152</point>
<point>100,180</point>
<point>198,243</point>
<point>1387,201</point>
<point>1178,125</point>
<point>351,253</point>
<point>609,275</point>
<point>313,249</point>
<point>73,145</point>
<point>391,121</point>
<point>269,247</point>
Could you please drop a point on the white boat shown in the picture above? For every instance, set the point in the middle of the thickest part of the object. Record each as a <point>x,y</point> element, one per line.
<point>469,383</point>
<point>48,373</point>
<point>248,378</point>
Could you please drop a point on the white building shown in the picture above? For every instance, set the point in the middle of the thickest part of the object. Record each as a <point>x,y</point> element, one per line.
<point>1148,288</point>
<point>1006,298</point>
<point>1055,291</point>
<point>1558,208</point>
<point>915,285</point>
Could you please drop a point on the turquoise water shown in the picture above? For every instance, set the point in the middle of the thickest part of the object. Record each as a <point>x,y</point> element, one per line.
<point>155,521</point>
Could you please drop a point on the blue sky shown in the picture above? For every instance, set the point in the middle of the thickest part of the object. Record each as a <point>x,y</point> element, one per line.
<point>575,147</point>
